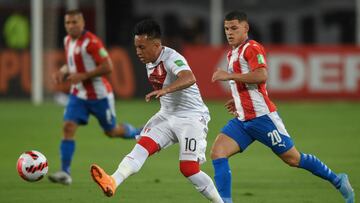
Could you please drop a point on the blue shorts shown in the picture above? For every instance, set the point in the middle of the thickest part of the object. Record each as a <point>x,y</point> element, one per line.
<point>78,111</point>
<point>267,129</point>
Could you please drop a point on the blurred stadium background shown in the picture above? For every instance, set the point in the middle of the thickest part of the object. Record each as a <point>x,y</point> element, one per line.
<point>314,77</point>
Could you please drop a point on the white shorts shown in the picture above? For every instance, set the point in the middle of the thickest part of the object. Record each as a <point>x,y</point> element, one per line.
<point>190,133</point>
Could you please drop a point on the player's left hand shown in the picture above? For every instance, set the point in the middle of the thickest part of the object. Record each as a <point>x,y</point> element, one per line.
<point>230,106</point>
<point>75,78</point>
<point>58,77</point>
<point>156,93</point>
<point>220,75</point>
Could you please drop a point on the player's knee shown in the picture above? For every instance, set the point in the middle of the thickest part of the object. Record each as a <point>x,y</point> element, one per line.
<point>69,129</point>
<point>218,152</point>
<point>149,144</point>
<point>189,168</point>
<point>224,147</point>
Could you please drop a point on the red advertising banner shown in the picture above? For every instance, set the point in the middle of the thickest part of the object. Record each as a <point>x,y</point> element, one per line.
<point>15,73</point>
<point>295,72</point>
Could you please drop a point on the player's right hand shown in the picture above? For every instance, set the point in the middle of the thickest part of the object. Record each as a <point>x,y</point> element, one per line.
<point>156,93</point>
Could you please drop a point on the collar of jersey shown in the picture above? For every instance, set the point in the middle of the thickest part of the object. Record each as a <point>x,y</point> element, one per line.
<point>158,60</point>
<point>242,44</point>
<point>82,35</point>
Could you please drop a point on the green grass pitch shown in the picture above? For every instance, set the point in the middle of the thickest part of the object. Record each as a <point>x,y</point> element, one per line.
<point>331,131</point>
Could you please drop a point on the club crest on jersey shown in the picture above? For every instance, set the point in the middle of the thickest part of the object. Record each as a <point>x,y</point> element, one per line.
<point>77,50</point>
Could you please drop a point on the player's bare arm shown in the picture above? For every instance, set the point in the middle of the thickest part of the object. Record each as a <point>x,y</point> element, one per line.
<point>102,69</point>
<point>185,79</point>
<point>257,76</point>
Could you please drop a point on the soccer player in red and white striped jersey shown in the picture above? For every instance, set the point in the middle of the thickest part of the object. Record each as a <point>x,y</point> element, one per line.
<point>87,65</point>
<point>256,118</point>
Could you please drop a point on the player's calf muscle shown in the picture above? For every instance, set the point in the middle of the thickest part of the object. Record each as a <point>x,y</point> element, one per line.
<point>291,157</point>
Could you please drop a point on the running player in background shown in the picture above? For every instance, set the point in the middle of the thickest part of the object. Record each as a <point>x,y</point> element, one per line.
<point>256,116</point>
<point>87,65</point>
<point>182,118</point>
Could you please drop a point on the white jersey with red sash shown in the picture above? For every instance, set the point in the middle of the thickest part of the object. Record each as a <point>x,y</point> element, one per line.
<point>162,72</point>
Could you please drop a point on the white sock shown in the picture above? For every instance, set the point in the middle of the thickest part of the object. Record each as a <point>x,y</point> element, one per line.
<point>130,164</point>
<point>205,186</point>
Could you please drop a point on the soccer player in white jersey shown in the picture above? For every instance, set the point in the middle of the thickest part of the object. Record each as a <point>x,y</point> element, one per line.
<point>256,118</point>
<point>87,65</point>
<point>182,118</point>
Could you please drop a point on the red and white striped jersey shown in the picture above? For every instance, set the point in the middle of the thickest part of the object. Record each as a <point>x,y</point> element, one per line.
<point>251,100</point>
<point>83,55</point>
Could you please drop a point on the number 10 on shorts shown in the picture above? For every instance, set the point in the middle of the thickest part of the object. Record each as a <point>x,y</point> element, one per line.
<point>190,144</point>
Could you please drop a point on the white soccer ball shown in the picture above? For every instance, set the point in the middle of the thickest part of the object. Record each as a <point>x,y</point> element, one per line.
<point>32,165</point>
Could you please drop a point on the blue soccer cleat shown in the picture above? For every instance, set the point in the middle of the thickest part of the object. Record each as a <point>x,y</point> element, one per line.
<point>345,188</point>
<point>130,131</point>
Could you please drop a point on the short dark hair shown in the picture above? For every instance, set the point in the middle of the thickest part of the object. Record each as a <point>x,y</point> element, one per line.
<point>148,27</point>
<point>236,15</point>
<point>73,12</point>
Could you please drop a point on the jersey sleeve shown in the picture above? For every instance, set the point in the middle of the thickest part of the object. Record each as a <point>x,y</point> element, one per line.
<point>97,50</point>
<point>255,56</point>
<point>177,64</point>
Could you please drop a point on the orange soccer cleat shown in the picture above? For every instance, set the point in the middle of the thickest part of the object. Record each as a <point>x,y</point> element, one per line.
<point>106,182</point>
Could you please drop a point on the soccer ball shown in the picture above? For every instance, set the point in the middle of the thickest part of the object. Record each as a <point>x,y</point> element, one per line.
<point>32,166</point>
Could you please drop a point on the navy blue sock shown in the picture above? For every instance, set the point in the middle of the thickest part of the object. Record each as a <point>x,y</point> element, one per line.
<point>315,166</point>
<point>223,178</point>
<point>67,148</point>
<point>130,131</point>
